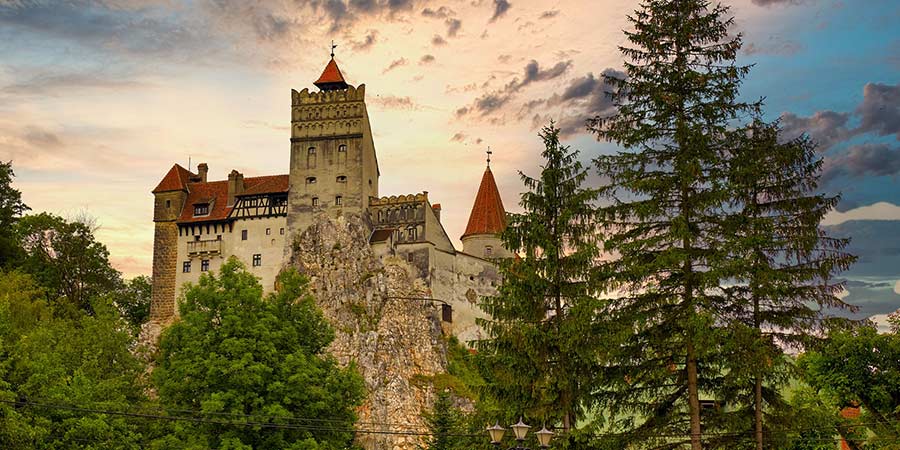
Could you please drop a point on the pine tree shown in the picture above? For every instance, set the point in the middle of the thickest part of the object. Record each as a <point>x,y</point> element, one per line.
<point>542,355</point>
<point>782,263</point>
<point>445,424</point>
<point>668,189</point>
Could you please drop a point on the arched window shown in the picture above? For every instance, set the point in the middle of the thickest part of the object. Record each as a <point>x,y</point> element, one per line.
<point>311,151</point>
<point>342,148</point>
<point>488,251</point>
<point>412,232</point>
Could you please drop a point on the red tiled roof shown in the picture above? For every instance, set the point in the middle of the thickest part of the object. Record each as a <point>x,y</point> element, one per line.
<point>331,77</point>
<point>216,194</point>
<point>488,215</point>
<point>175,180</point>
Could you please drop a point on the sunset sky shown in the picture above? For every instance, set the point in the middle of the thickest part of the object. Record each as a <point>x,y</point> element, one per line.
<point>99,99</point>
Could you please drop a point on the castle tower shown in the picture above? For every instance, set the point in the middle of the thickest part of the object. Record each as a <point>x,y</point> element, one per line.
<point>486,221</point>
<point>333,168</point>
<point>168,200</point>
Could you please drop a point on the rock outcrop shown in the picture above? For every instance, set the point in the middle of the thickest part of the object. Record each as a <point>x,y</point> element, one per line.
<point>382,324</point>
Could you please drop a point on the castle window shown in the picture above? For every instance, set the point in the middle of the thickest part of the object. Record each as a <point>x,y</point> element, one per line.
<point>409,257</point>
<point>268,231</point>
<point>243,235</point>
<point>197,237</point>
<point>257,260</point>
<point>315,201</point>
<point>281,231</point>
<point>342,179</point>
<point>310,180</point>
<point>488,251</point>
<point>201,209</point>
<point>186,267</point>
<point>412,232</point>
<point>342,148</point>
<point>168,203</point>
<point>204,265</point>
<point>311,151</point>
<point>338,200</point>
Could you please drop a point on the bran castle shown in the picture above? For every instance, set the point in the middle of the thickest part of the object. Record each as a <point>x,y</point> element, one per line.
<point>333,171</point>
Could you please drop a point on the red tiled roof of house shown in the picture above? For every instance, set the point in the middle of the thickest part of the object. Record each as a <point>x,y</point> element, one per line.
<point>216,194</point>
<point>176,179</point>
<point>331,77</point>
<point>488,215</point>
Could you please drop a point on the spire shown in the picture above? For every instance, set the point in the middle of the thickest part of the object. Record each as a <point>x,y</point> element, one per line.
<point>331,78</point>
<point>488,215</point>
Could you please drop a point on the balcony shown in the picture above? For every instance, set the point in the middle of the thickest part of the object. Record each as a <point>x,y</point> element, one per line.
<point>203,248</point>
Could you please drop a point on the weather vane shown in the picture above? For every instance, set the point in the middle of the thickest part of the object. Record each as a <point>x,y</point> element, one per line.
<point>489,153</point>
<point>333,46</point>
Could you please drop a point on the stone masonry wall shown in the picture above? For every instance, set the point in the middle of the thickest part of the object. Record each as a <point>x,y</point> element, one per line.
<point>165,260</point>
<point>395,341</point>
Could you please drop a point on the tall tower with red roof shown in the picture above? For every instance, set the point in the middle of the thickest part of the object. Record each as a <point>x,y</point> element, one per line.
<point>486,221</point>
<point>333,167</point>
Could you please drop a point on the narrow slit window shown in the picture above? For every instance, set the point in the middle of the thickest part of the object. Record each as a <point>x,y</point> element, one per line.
<point>338,200</point>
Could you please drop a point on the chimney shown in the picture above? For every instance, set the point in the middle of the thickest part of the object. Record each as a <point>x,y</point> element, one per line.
<point>437,210</point>
<point>202,169</point>
<point>235,186</point>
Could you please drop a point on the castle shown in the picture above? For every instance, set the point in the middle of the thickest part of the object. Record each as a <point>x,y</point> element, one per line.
<point>333,171</point>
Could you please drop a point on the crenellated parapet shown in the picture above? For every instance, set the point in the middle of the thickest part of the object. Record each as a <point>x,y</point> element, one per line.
<point>328,113</point>
<point>397,199</point>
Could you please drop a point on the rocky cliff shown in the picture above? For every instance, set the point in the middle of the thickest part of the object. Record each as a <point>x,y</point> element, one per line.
<point>382,326</point>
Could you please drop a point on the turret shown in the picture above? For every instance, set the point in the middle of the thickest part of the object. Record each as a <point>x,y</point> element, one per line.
<point>168,201</point>
<point>486,221</point>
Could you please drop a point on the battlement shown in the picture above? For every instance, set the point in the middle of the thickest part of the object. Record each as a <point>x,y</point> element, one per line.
<point>398,199</point>
<point>351,94</point>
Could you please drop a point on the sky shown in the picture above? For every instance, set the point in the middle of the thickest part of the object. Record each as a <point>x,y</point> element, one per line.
<point>98,99</point>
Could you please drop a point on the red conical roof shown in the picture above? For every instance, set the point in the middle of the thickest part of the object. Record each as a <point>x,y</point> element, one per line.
<point>331,78</point>
<point>488,215</point>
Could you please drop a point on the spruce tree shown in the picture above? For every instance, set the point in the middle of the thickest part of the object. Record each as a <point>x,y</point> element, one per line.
<point>542,355</point>
<point>782,266</point>
<point>667,192</point>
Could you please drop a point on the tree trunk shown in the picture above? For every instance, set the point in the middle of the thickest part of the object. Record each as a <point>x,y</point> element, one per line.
<point>693,397</point>
<point>757,406</point>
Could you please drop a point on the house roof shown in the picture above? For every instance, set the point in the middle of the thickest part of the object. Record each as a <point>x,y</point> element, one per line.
<point>331,78</point>
<point>176,179</point>
<point>216,194</point>
<point>488,215</point>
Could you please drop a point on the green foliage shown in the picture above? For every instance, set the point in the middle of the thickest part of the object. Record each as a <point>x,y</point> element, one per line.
<point>237,355</point>
<point>860,367</point>
<point>545,349</point>
<point>11,208</point>
<point>780,265</point>
<point>445,423</point>
<point>667,192</point>
<point>66,259</point>
<point>133,299</point>
<point>82,360</point>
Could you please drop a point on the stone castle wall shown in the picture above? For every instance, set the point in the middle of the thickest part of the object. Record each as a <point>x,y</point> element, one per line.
<point>165,258</point>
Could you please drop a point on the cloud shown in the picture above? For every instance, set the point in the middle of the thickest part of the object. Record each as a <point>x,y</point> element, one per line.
<point>897,287</point>
<point>458,137</point>
<point>367,42</point>
<point>426,59</point>
<point>395,64</point>
<point>438,41</point>
<point>40,137</point>
<point>776,2</point>
<point>441,13</point>
<point>504,58</point>
<point>583,98</point>
<point>875,211</point>
<point>879,111</point>
<point>500,8</point>
<point>775,46</point>
<point>871,159</point>
<point>395,102</point>
<point>492,101</point>
<point>826,128</point>
<point>549,14</point>
<point>453,26</point>
<point>54,84</point>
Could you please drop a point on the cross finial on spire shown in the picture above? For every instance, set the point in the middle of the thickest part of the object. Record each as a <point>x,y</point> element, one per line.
<point>489,153</point>
<point>333,46</point>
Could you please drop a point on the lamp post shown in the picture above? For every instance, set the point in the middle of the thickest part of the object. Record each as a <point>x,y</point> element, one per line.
<point>520,429</point>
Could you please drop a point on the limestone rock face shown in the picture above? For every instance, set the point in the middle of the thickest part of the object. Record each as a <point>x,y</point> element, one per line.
<point>381,325</point>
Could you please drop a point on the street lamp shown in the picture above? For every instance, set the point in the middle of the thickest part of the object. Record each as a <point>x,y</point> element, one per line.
<point>520,429</point>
